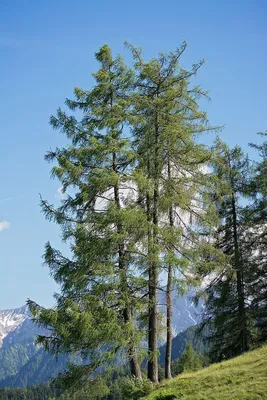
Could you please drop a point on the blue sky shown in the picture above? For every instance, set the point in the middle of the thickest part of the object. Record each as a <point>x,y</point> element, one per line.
<point>47,47</point>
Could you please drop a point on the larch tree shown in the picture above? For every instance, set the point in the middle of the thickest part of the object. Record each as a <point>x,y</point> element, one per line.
<point>173,179</point>
<point>94,312</point>
<point>137,205</point>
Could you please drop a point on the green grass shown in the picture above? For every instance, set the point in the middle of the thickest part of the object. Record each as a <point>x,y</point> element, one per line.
<point>242,378</point>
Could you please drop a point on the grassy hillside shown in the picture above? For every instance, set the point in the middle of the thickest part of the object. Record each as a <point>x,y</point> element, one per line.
<point>242,378</point>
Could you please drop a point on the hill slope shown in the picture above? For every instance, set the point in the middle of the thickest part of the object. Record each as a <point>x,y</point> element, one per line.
<point>242,378</point>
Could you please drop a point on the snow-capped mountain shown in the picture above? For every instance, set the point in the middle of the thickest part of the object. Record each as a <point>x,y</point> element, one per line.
<point>16,323</point>
<point>10,320</point>
<point>22,363</point>
<point>185,313</point>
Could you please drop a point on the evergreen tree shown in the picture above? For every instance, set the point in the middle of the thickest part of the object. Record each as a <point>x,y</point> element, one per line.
<point>94,314</point>
<point>189,360</point>
<point>256,241</point>
<point>38,392</point>
<point>135,206</point>
<point>171,177</point>
<point>228,294</point>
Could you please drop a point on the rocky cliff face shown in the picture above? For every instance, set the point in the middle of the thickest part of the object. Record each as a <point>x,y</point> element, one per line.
<point>185,312</point>
<point>10,320</point>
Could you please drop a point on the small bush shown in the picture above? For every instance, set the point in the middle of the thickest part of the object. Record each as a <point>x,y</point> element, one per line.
<point>130,389</point>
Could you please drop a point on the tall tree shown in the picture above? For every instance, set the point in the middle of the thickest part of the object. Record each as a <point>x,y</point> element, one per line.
<point>256,241</point>
<point>137,204</point>
<point>228,294</point>
<point>95,311</point>
<point>171,177</point>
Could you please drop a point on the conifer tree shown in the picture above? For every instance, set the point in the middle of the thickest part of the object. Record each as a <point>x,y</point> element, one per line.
<point>256,241</point>
<point>228,294</point>
<point>171,178</point>
<point>94,313</point>
<point>121,242</point>
<point>189,360</point>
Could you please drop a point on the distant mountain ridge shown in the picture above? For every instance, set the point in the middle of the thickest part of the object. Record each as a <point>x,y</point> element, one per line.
<point>10,320</point>
<point>22,363</point>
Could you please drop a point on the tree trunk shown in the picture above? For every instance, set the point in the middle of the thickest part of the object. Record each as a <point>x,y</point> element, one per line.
<point>152,368</point>
<point>168,353</point>
<point>131,350</point>
<point>240,282</point>
<point>127,313</point>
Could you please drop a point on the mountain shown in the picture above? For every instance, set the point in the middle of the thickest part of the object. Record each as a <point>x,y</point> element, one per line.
<point>10,320</point>
<point>39,368</point>
<point>179,342</point>
<point>22,363</point>
<point>185,312</point>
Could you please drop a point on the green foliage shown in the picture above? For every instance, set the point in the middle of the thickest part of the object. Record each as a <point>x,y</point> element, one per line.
<point>40,367</point>
<point>39,392</point>
<point>256,241</point>
<point>174,187</point>
<point>189,360</point>
<point>99,284</point>
<point>129,388</point>
<point>94,389</point>
<point>14,357</point>
<point>229,293</point>
<point>125,133</point>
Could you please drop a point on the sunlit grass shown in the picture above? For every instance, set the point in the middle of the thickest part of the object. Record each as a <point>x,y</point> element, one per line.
<point>242,378</point>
